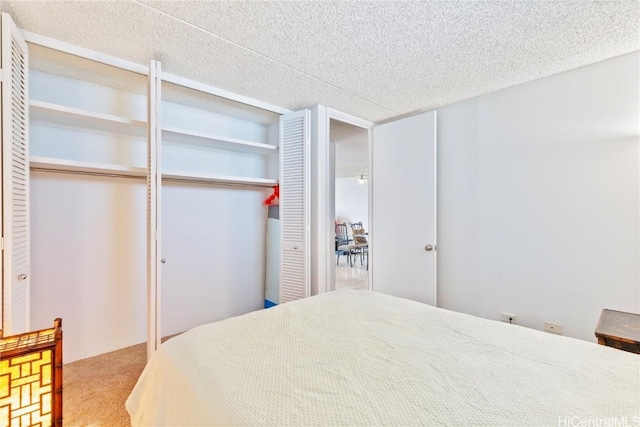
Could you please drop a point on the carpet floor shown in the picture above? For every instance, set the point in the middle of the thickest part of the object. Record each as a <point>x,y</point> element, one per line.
<point>95,389</point>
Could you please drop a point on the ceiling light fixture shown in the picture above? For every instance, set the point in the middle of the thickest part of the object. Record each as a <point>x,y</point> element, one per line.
<point>363,179</point>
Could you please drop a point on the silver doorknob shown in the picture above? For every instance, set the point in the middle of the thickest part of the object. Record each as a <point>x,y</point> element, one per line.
<point>22,277</point>
<point>428,248</point>
<point>163,260</point>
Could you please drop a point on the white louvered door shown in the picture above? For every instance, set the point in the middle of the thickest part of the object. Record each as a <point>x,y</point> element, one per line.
<point>154,183</point>
<point>295,136</point>
<point>15,180</point>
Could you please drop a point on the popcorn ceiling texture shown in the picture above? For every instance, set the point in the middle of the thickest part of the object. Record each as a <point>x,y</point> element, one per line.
<point>375,60</point>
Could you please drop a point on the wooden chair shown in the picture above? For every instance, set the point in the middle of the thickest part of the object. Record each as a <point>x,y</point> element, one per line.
<point>356,226</point>
<point>362,245</point>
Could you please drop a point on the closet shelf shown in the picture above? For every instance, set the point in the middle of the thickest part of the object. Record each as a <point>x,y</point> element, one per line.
<point>63,165</point>
<point>56,113</point>
<point>219,179</point>
<point>170,134</point>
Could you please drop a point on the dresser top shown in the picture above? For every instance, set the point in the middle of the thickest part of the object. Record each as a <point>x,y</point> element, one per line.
<point>619,325</point>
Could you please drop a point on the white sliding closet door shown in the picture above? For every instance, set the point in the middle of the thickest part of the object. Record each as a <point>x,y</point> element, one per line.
<point>295,137</point>
<point>403,220</point>
<point>15,179</point>
<point>154,182</point>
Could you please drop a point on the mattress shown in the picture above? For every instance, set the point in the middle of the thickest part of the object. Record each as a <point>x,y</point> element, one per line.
<point>363,358</point>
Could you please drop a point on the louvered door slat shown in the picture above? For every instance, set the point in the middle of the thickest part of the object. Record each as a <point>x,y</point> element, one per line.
<point>294,206</point>
<point>15,179</point>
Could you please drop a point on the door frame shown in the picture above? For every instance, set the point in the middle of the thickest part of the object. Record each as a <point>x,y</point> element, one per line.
<point>333,114</point>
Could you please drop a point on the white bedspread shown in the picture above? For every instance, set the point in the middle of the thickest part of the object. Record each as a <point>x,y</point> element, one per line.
<point>363,358</point>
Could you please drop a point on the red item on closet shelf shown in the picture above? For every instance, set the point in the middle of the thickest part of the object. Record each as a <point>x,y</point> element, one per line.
<point>274,198</point>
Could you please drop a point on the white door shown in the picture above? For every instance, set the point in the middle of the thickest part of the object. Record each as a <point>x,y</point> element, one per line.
<point>295,137</point>
<point>154,183</point>
<point>403,220</point>
<point>14,111</point>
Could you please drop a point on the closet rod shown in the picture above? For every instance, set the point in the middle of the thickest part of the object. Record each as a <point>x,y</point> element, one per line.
<point>186,181</point>
<point>102,174</point>
<point>217,184</point>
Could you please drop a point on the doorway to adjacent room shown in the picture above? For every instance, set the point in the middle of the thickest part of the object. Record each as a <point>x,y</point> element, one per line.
<point>351,201</point>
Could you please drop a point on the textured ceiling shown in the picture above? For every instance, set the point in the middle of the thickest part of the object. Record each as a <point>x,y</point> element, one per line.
<point>375,60</point>
<point>351,149</point>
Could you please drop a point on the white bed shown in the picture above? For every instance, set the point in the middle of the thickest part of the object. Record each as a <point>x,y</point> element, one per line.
<point>363,358</point>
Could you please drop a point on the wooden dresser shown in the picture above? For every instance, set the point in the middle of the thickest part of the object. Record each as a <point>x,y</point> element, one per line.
<point>620,330</point>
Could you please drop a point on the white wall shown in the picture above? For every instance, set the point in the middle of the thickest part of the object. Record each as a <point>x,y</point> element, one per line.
<point>352,201</point>
<point>538,199</point>
<point>88,260</point>
<point>214,241</point>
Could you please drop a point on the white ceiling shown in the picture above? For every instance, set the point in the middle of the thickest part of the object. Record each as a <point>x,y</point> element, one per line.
<point>375,60</point>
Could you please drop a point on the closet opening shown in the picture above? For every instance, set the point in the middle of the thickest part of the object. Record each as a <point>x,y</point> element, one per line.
<point>87,156</point>
<point>219,162</point>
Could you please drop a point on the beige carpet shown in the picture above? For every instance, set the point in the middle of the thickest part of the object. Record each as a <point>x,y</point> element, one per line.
<point>95,389</point>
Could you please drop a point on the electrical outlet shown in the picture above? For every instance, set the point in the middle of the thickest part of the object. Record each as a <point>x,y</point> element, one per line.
<point>553,328</point>
<point>509,318</point>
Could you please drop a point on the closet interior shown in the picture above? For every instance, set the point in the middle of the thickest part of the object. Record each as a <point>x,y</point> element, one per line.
<point>219,163</point>
<point>88,143</point>
<point>218,160</point>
